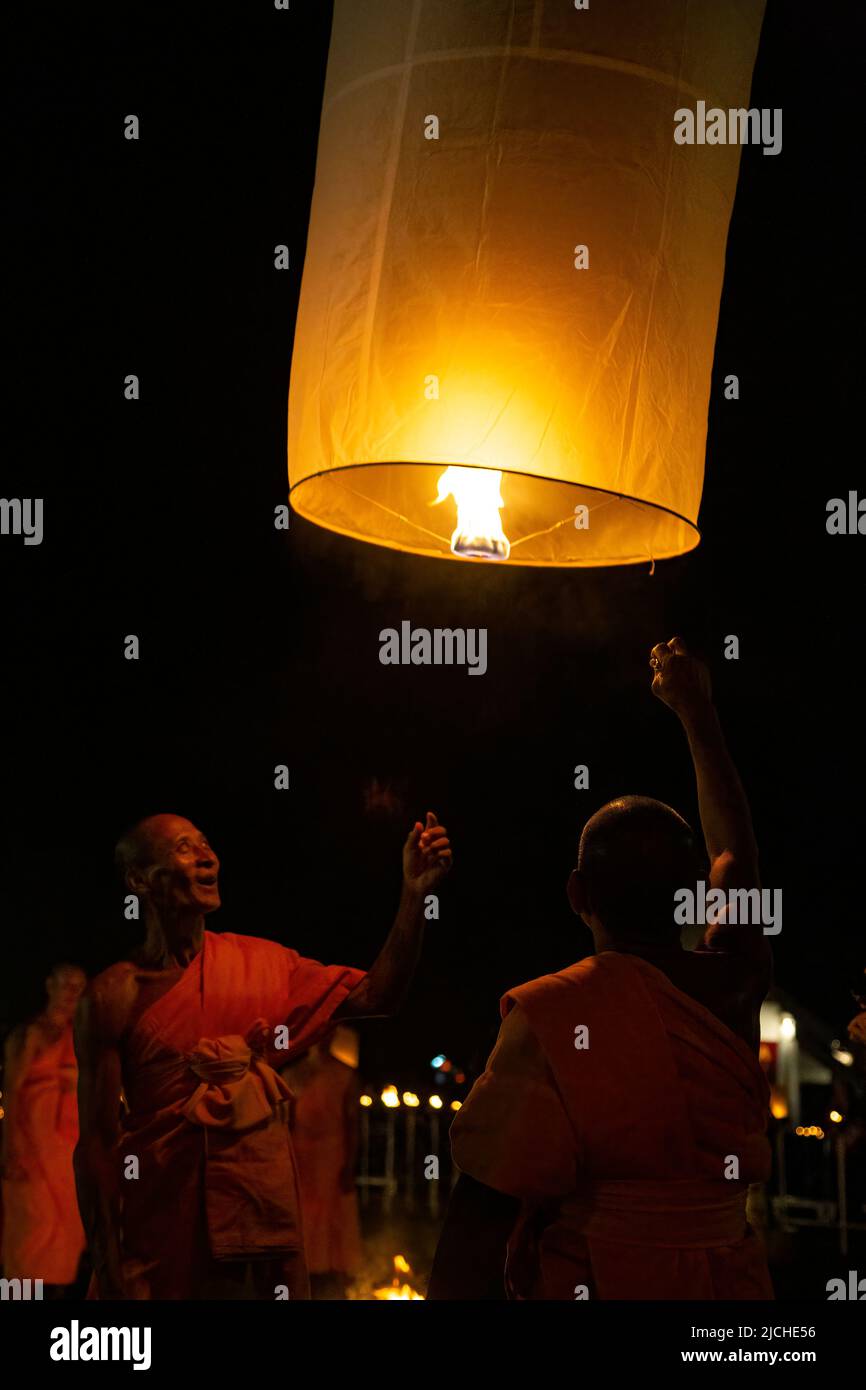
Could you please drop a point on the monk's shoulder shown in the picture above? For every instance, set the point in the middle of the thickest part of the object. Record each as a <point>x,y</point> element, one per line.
<point>16,1041</point>
<point>109,998</point>
<point>115,979</point>
<point>517,1037</point>
<point>545,986</point>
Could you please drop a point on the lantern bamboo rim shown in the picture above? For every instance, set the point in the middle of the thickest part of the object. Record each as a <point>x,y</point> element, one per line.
<point>331,475</point>
<point>572,56</point>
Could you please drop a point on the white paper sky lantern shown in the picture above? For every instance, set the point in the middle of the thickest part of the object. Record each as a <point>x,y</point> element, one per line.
<point>447,318</point>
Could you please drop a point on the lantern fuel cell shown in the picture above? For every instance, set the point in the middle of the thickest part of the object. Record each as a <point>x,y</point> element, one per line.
<point>462,380</point>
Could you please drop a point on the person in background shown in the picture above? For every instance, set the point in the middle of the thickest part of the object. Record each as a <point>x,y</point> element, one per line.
<point>325,1138</point>
<point>42,1232</point>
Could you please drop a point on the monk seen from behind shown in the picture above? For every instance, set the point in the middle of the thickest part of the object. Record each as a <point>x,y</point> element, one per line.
<point>607,1150</point>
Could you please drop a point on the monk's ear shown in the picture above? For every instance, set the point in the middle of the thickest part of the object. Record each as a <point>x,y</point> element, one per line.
<point>137,881</point>
<point>577,894</point>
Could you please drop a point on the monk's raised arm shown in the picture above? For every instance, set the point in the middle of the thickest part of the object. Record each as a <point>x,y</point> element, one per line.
<point>98,1025</point>
<point>426,859</point>
<point>683,683</point>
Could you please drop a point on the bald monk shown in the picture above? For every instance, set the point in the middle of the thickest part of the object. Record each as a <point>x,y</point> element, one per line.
<point>607,1150</point>
<point>42,1232</point>
<point>193,1192</point>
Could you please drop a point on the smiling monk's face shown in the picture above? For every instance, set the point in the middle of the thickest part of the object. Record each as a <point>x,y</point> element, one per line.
<point>181,871</point>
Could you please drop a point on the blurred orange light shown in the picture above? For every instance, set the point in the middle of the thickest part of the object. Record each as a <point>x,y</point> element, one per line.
<point>778,1104</point>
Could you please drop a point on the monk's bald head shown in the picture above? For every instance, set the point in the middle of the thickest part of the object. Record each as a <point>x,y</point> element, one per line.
<point>168,861</point>
<point>634,854</point>
<point>145,842</point>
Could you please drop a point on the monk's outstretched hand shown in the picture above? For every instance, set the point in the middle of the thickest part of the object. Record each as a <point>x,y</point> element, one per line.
<point>426,855</point>
<point>680,681</point>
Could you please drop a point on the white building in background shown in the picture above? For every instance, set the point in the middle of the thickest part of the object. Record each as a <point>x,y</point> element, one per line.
<point>805,1050</point>
<point>798,1062</point>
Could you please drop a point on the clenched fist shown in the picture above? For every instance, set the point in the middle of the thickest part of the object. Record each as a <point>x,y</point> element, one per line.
<point>857,1029</point>
<point>680,680</point>
<point>426,855</point>
<point>857,1026</point>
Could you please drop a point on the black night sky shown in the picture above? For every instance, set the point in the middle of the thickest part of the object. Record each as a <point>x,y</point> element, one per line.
<point>261,647</point>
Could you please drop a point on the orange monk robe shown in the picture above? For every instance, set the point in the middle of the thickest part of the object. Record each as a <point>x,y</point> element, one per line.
<point>216,1192</point>
<point>42,1233</point>
<point>332,1239</point>
<point>619,1149</point>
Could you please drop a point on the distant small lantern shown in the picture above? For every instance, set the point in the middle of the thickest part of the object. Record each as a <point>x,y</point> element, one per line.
<point>512,278</point>
<point>778,1103</point>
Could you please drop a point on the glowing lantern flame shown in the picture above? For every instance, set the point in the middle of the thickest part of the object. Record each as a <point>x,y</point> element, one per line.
<point>396,1290</point>
<point>390,1097</point>
<point>477,493</point>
